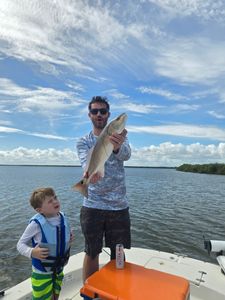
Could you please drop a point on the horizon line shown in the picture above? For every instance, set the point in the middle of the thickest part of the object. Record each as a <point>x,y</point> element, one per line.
<point>76,166</point>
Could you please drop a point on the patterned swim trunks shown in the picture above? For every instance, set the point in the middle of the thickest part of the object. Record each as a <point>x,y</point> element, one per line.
<point>98,225</point>
<point>45,285</point>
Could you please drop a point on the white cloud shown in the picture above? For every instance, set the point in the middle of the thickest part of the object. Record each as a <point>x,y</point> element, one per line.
<point>47,101</point>
<point>73,32</point>
<point>216,114</point>
<point>47,136</point>
<point>184,130</point>
<point>121,102</point>
<point>168,154</point>
<point>116,94</point>
<point>9,130</point>
<point>182,108</point>
<point>160,92</point>
<point>222,95</point>
<point>5,123</point>
<point>165,154</point>
<point>205,9</point>
<point>22,155</point>
<point>135,107</point>
<point>75,86</point>
<point>188,60</point>
<point>86,37</point>
<point>44,98</point>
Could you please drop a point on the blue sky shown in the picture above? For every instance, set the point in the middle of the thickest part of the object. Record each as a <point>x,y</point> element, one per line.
<point>160,61</point>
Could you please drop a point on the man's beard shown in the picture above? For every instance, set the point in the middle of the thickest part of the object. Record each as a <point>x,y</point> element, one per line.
<point>99,124</point>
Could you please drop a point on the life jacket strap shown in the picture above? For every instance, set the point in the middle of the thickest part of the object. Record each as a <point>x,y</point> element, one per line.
<point>57,263</point>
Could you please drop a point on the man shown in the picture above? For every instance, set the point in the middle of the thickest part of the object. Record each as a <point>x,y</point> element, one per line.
<point>105,213</point>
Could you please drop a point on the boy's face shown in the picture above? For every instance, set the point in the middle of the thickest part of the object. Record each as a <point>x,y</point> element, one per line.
<point>50,206</point>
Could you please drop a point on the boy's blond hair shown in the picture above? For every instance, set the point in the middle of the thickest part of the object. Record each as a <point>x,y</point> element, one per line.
<point>38,196</point>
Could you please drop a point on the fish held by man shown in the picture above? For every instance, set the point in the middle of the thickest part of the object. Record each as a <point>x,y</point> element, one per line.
<point>99,154</point>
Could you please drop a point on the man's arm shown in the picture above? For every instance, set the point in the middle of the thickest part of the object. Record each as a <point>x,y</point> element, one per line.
<point>121,145</point>
<point>82,152</point>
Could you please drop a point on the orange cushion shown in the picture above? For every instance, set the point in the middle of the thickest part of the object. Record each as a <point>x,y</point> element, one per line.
<point>135,282</point>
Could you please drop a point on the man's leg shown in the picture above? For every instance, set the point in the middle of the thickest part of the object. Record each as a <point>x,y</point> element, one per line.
<point>90,266</point>
<point>117,230</point>
<point>113,253</point>
<point>92,225</point>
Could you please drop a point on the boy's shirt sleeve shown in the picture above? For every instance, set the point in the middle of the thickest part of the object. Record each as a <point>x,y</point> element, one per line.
<point>24,244</point>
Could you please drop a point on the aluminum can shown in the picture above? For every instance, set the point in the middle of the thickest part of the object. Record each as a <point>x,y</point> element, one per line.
<point>119,256</point>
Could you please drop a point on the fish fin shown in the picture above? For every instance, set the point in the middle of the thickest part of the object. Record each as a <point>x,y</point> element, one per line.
<point>82,187</point>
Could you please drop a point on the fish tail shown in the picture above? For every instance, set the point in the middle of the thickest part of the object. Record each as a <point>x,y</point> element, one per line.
<point>82,187</point>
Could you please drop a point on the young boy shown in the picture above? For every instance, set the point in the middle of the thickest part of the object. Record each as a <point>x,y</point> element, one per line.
<point>50,235</point>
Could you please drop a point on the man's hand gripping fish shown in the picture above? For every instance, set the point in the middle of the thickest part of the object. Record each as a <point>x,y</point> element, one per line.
<point>100,153</point>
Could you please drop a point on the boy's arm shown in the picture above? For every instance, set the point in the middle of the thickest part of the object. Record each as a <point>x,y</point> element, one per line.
<point>31,231</point>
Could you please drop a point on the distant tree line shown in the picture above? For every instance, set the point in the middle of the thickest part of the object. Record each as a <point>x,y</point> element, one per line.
<point>204,168</point>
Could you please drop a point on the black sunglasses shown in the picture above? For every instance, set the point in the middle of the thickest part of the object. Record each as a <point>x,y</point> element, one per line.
<point>95,111</point>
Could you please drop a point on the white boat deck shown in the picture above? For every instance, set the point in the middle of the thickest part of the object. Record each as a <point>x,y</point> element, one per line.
<point>206,280</point>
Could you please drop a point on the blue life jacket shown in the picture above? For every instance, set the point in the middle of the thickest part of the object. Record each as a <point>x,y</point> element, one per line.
<point>56,239</point>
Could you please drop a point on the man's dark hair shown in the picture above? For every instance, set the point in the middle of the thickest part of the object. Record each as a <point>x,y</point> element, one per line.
<point>99,99</point>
